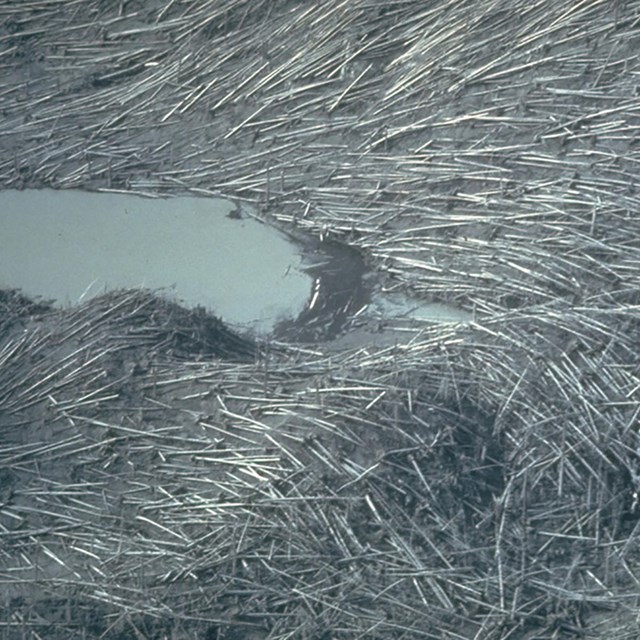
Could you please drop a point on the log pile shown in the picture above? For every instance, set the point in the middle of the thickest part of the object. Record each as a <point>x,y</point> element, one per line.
<point>161,477</point>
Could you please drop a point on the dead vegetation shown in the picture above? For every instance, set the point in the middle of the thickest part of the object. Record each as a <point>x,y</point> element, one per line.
<point>160,478</point>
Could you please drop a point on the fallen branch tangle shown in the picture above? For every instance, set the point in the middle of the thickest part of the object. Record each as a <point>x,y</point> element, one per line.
<point>160,476</point>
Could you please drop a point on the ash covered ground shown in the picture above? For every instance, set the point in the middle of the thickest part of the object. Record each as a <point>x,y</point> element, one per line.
<point>162,477</point>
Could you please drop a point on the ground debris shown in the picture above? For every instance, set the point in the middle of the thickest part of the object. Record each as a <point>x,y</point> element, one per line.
<point>162,477</point>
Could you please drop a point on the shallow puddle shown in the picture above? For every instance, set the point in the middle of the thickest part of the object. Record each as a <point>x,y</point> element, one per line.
<point>73,245</point>
<point>399,306</point>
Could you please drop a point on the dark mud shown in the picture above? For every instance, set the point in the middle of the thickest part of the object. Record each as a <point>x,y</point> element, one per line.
<point>340,290</point>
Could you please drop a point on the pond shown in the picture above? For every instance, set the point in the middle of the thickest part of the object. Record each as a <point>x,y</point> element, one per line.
<point>70,246</point>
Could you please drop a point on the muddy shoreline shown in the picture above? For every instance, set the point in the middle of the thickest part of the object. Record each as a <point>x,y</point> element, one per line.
<point>160,477</point>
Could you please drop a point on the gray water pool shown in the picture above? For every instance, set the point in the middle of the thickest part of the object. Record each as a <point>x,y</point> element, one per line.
<point>70,246</point>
